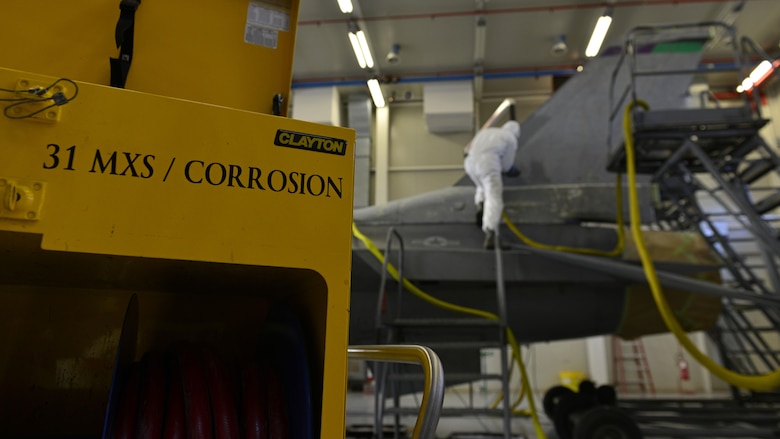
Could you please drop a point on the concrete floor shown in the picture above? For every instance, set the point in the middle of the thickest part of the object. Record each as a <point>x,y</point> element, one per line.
<point>360,411</point>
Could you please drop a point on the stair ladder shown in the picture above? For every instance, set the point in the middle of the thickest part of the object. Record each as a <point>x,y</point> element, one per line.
<point>392,327</point>
<point>630,366</point>
<point>717,175</point>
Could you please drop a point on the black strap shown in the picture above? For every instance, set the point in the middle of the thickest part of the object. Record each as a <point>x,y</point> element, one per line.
<point>277,104</point>
<point>120,67</point>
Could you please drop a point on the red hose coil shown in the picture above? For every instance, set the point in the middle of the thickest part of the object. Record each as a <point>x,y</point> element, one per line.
<point>254,408</point>
<point>278,426</point>
<point>223,401</point>
<point>175,423</point>
<point>124,424</point>
<point>197,404</point>
<point>151,407</point>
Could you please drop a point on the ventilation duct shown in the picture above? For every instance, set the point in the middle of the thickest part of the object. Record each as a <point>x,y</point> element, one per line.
<point>449,106</point>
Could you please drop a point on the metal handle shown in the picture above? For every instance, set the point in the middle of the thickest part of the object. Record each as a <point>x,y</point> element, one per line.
<point>433,393</point>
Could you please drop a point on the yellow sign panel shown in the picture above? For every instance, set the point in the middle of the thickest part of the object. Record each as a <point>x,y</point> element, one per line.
<point>135,191</point>
<point>145,162</point>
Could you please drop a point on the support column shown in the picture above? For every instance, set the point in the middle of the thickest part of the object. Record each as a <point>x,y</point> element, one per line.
<point>382,166</point>
<point>598,359</point>
<point>359,113</point>
<point>700,340</point>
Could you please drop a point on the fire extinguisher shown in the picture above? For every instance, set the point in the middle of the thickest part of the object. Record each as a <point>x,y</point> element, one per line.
<point>682,364</point>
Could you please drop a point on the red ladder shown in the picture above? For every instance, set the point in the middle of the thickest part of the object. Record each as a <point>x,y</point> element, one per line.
<point>629,358</point>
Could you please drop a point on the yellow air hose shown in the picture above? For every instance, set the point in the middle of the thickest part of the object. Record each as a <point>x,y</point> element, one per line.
<point>372,248</point>
<point>764,382</point>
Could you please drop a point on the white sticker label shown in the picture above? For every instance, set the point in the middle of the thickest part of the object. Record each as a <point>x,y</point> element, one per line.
<point>267,17</point>
<point>261,36</point>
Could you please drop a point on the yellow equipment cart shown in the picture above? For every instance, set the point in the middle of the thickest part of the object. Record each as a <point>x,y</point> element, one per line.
<point>175,212</point>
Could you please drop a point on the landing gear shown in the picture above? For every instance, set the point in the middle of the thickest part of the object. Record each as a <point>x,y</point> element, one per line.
<point>553,396</point>
<point>589,413</point>
<point>605,422</point>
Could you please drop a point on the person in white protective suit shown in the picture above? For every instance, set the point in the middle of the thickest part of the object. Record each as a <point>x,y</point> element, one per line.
<point>491,154</point>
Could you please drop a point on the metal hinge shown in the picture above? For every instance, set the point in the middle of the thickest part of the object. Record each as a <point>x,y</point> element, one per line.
<point>21,199</point>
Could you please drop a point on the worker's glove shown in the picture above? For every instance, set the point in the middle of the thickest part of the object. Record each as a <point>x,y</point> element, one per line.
<point>512,172</point>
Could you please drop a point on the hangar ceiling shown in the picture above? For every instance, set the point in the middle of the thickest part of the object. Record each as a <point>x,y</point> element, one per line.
<point>440,39</point>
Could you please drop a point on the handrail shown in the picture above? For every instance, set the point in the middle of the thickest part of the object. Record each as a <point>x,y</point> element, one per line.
<point>708,96</point>
<point>381,371</point>
<point>383,281</point>
<point>634,33</point>
<point>433,391</point>
<point>372,248</point>
<point>502,318</point>
<point>634,39</point>
<point>651,29</point>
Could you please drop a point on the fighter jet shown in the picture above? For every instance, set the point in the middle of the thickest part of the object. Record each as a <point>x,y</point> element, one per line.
<point>571,157</point>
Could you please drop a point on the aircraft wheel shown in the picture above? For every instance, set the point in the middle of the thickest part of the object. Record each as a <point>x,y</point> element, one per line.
<point>552,397</point>
<point>587,387</point>
<point>606,395</point>
<point>571,407</point>
<point>566,411</point>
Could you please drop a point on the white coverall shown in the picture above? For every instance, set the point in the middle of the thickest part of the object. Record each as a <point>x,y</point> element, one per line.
<point>492,152</point>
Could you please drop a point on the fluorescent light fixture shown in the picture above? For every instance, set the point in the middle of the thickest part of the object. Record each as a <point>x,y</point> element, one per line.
<point>345,6</point>
<point>757,76</point>
<point>358,51</point>
<point>376,93</point>
<point>761,70</point>
<point>360,47</point>
<point>361,36</point>
<point>599,33</point>
<point>747,84</point>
